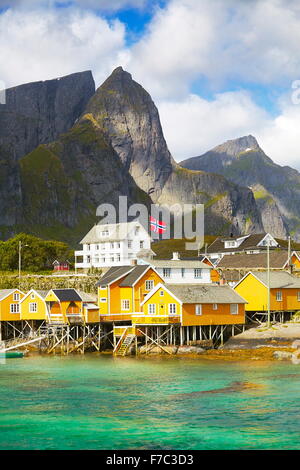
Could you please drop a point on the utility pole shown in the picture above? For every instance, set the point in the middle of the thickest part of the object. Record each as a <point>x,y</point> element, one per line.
<point>20,261</point>
<point>268,283</point>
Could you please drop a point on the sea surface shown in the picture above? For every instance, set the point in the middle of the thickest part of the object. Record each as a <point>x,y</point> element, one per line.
<point>101,402</point>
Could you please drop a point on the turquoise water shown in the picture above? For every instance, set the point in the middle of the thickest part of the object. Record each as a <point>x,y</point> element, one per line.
<point>101,402</point>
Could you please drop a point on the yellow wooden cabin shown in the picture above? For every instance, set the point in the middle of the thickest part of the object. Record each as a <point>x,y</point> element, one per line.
<point>122,289</point>
<point>33,305</point>
<point>284,291</point>
<point>10,304</point>
<point>64,306</point>
<point>192,305</point>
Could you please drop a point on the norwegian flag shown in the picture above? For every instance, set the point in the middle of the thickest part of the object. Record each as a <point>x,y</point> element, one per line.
<point>157,226</point>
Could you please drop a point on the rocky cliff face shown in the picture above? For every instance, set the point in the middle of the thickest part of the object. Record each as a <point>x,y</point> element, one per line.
<point>34,114</point>
<point>276,189</point>
<point>130,120</point>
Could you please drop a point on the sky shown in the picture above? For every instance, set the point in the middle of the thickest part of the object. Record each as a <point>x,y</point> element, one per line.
<point>216,69</point>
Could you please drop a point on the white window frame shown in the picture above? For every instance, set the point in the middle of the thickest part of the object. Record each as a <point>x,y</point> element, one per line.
<point>31,308</point>
<point>236,312</point>
<point>215,306</point>
<point>103,300</point>
<point>198,309</point>
<point>151,309</point>
<point>196,273</point>
<point>141,244</point>
<point>14,308</point>
<point>172,309</point>
<point>125,304</point>
<point>129,243</point>
<point>151,282</point>
<point>161,293</point>
<point>279,296</point>
<point>32,296</point>
<point>167,272</point>
<point>16,297</point>
<point>298,296</point>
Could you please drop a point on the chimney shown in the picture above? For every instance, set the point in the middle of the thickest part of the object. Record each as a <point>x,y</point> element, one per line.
<point>133,262</point>
<point>176,256</point>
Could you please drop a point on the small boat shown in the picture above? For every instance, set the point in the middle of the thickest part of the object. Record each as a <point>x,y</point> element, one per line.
<point>11,354</point>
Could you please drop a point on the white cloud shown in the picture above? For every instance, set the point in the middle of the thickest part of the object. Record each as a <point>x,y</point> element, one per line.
<point>107,5</point>
<point>253,41</point>
<point>195,125</point>
<point>37,45</point>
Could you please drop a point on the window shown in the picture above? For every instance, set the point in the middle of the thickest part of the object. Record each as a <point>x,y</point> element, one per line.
<point>182,272</point>
<point>118,258</point>
<point>102,260</point>
<point>33,307</point>
<point>215,306</point>
<point>129,243</point>
<point>118,245</point>
<point>112,259</point>
<point>32,296</point>
<point>112,245</point>
<point>137,229</point>
<point>141,244</point>
<point>234,309</point>
<point>16,297</point>
<point>161,293</point>
<point>105,233</point>
<point>279,296</point>
<point>298,296</point>
<point>167,272</point>
<point>14,308</point>
<point>198,309</point>
<point>97,247</point>
<point>102,287</point>
<point>197,273</point>
<point>103,300</point>
<point>172,309</point>
<point>151,309</point>
<point>149,285</point>
<point>125,304</point>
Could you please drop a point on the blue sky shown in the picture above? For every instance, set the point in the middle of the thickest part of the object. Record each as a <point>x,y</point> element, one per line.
<point>216,69</point>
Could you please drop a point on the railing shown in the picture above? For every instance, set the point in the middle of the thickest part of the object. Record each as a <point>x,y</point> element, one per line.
<point>119,330</point>
<point>154,319</point>
<point>115,317</point>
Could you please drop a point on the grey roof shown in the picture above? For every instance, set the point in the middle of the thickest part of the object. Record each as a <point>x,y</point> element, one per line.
<point>205,293</point>
<point>87,297</point>
<point>145,252</point>
<point>134,275</point>
<point>278,279</point>
<point>5,292</point>
<point>113,274</point>
<point>118,232</point>
<point>42,293</point>
<point>67,295</point>
<point>278,260</point>
<point>170,263</point>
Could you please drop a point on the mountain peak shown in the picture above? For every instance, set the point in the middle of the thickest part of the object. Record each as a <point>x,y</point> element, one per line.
<point>234,147</point>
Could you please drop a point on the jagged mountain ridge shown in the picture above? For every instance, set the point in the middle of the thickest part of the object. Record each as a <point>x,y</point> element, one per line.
<point>276,188</point>
<point>115,147</point>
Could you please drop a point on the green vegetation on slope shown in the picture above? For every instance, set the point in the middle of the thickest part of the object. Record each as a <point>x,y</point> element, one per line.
<point>37,255</point>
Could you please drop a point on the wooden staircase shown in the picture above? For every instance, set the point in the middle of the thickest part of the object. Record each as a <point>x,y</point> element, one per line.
<point>124,343</point>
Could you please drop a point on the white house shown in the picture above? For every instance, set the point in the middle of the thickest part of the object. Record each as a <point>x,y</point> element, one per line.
<point>249,244</point>
<point>113,245</point>
<point>178,271</point>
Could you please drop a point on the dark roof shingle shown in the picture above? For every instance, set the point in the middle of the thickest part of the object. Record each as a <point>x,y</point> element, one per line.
<point>67,295</point>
